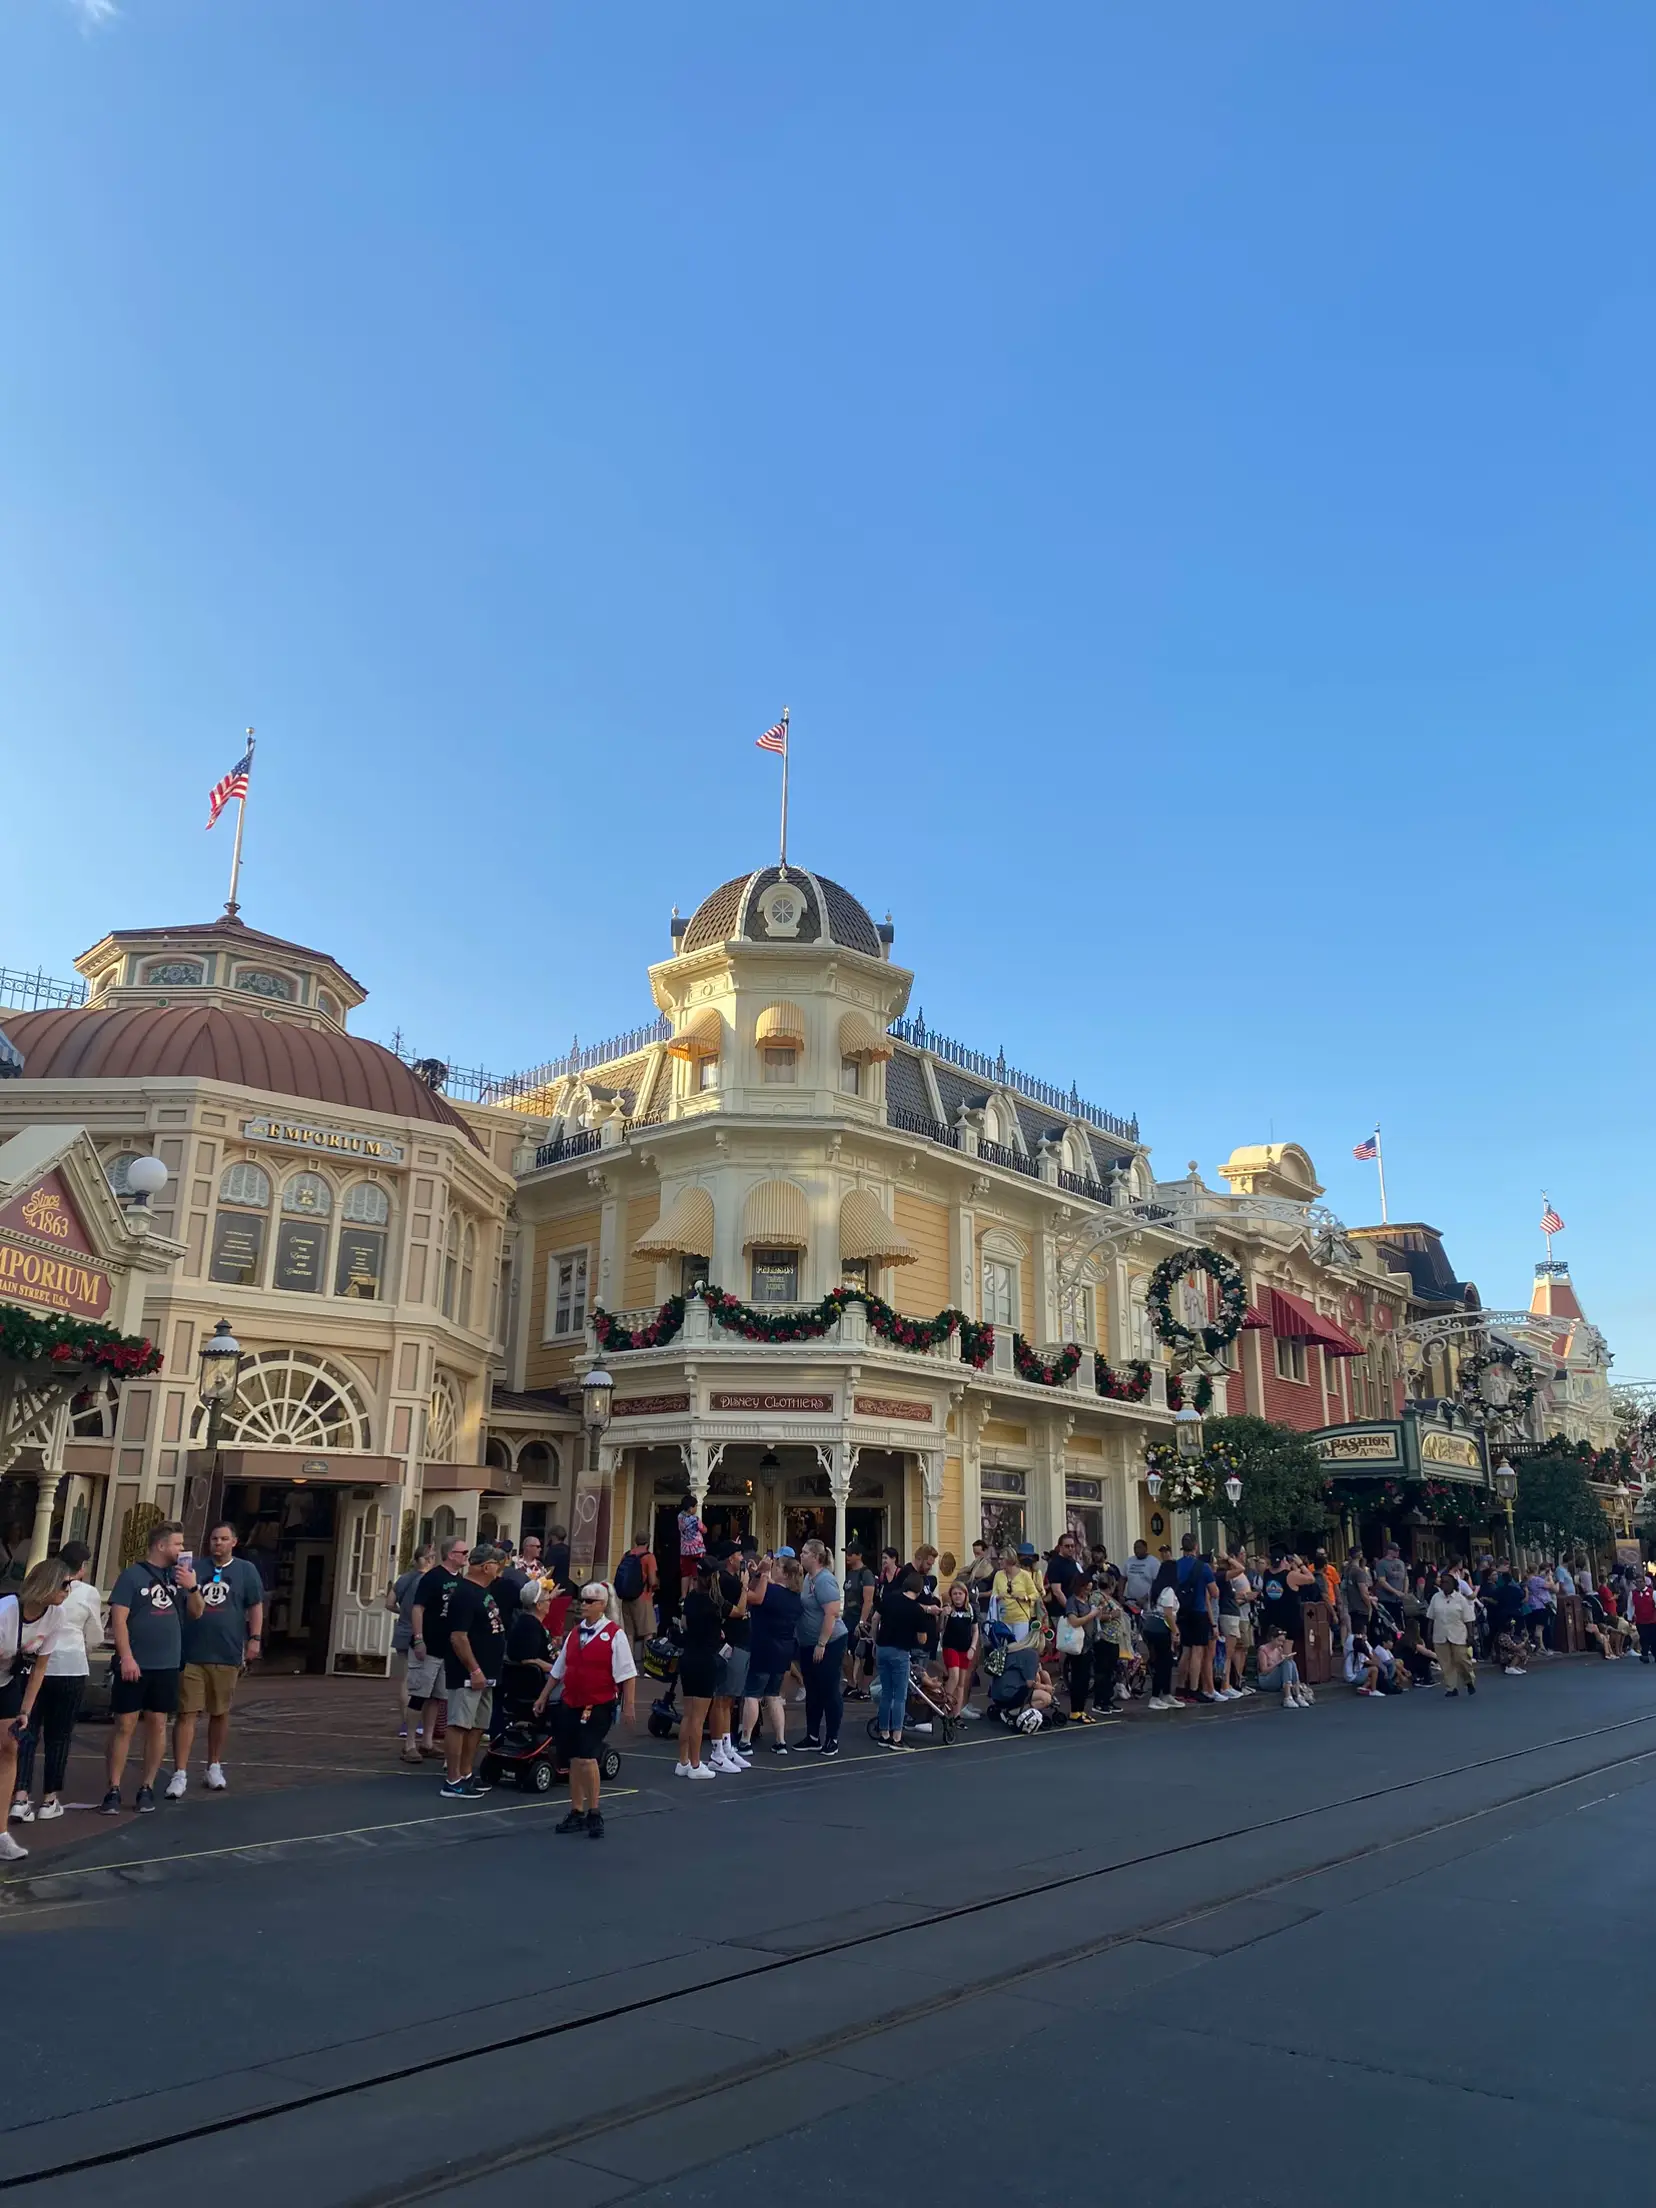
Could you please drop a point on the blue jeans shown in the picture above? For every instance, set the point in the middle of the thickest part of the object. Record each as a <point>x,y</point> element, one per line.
<point>894,1686</point>
<point>1285,1675</point>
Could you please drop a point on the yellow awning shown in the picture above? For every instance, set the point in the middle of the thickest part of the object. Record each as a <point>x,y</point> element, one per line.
<point>700,1037</point>
<point>860,1038</point>
<point>866,1232</point>
<point>685,1228</point>
<point>781,1023</point>
<point>776,1217</point>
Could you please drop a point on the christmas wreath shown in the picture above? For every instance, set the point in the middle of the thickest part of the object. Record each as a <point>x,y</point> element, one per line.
<point>1226,1276</point>
<point>1028,1365</point>
<point>27,1340</point>
<point>1525,1383</point>
<point>1131,1386</point>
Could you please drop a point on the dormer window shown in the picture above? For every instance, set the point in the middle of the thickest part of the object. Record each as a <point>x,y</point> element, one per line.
<point>174,973</point>
<point>329,1006</point>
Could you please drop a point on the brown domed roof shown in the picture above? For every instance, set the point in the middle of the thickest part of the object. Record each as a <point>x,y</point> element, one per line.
<point>281,1057</point>
<point>736,909</point>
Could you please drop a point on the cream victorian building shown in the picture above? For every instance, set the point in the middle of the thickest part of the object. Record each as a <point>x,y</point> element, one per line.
<point>346,1219</point>
<point>785,1132</point>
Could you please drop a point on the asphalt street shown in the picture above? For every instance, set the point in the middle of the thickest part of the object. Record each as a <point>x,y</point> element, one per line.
<point>1377,1946</point>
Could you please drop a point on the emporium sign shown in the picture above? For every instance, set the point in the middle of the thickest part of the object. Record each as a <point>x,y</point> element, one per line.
<point>292,1134</point>
<point>46,1257</point>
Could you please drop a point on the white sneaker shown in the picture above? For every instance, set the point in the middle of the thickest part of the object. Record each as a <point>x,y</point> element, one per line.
<point>681,1770</point>
<point>23,1812</point>
<point>10,1852</point>
<point>799,1697</point>
<point>736,1756</point>
<point>48,1810</point>
<point>926,1728</point>
<point>176,1785</point>
<point>719,1761</point>
<point>1307,1698</point>
<point>700,1771</point>
<point>216,1780</point>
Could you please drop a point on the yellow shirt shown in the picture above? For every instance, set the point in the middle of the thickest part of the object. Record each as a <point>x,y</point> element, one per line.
<point>1019,1599</point>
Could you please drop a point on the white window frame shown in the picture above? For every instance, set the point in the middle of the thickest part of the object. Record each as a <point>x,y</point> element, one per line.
<point>1077,1316</point>
<point>757,1258</point>
<point>579,1259</point>
<point>850,1077</point>
<point>1006,1291</point>
<point>1295,1359</point>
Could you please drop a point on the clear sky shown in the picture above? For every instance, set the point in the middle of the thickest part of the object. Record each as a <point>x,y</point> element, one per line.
<point>1188,468</point>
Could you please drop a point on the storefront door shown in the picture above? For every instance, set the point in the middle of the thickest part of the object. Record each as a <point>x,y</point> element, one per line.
<point>865,1524</point>
<point>289,1534</point>
<point>802,1522</point>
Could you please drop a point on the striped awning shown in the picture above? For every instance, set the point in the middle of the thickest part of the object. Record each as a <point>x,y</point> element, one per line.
<point>1295,1320</point>
<point>781,1023</point>
<point>866,1232</point>
<point>702,1036</point>
<point>776,1217</point>
<point>685,1228</point>
<point>860,1038</point>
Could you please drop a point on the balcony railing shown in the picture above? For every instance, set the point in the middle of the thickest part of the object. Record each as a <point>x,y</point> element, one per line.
<point>1083,1184</point>
<point>1070,1102</point>
<point>568,1146</point>
<point>917,1123</point>
<point>997,1153</point>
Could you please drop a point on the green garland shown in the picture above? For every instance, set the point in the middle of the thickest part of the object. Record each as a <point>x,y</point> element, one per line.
<point>1131,1387</point>
<point>1526,1382</point>
<point>28,1340</point>
<point>1029,1365</point>
<point>1176,1395</point>
<point>1233,1300</point>
<point>756,1324</point>
<point>1184,1486</point>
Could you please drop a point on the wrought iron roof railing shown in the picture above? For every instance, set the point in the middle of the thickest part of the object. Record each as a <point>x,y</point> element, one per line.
<point>1070,1102</point>
<point>38,992</point>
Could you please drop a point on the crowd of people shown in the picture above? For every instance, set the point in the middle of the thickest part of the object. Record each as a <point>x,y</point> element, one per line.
<point>487,1638</point>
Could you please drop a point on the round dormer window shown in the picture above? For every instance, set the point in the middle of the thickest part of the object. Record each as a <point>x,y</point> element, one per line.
<point>258,981</point>
<point>174,973</point>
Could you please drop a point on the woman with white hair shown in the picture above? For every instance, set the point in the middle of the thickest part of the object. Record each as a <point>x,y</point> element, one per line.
<point>595,1666</point>
<point>526,1678</point>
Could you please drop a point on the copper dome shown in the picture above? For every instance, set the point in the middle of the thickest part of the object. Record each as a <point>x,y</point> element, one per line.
<point>279,1057</point>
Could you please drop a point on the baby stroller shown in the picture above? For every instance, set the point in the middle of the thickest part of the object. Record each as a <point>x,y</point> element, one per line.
<point>659,1659</point>
<point>924,1709</point>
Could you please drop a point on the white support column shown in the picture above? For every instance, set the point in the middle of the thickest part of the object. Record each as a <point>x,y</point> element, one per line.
<point>930,1462</point>
<point>51,1476</point>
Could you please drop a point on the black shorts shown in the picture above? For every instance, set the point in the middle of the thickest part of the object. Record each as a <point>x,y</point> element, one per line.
<point>580,1739</point>
<point>763,1685</point>
<point>153,1691</point>
<point>698,1675</point>
<point>1195,1629</point>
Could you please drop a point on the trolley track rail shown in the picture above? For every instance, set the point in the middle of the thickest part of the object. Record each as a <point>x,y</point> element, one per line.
<point>559,2137</point>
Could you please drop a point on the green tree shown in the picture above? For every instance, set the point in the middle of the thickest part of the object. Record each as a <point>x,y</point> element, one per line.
<point>1283,1478</point>
<point>1554,1504</point>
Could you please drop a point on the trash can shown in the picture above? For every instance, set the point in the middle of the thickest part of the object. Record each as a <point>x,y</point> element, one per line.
<point>1314,1644</point>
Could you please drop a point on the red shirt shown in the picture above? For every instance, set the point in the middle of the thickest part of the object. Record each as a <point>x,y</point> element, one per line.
<point>1644,1605</point>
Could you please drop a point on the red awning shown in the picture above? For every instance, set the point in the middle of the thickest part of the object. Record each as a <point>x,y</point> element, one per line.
<point>1254,1317</point>
<point>1295,1321</point>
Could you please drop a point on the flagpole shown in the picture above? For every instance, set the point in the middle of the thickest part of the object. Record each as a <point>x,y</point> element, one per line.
<point>784,789</point>
<point>1546,1213</point>
<point>231,907</point>
<point>1380,1162</point>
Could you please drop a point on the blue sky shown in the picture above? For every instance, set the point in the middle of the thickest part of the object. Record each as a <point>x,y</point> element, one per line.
<point>1188,469</point>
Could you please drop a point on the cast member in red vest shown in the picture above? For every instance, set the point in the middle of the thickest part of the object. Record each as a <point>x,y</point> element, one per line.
<point>595,1665</point>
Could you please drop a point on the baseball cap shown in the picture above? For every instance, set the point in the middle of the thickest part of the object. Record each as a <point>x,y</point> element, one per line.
<point>786,1554</point>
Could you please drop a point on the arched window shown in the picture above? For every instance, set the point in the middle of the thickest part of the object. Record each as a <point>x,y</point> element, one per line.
<point>292,1399</point>
<point>443,1421</point>
<point>258,981</point>
<point>451,1264</point>
<point>309,1194</point>
<point>239,1232</point>
<point>538,1464</point>
<point>302,1237</point>
<point>245,1184</point>
<point>359,1264</point>
<point>497,1456</point>
<point>443,1523</point>
<point>117,1168</point>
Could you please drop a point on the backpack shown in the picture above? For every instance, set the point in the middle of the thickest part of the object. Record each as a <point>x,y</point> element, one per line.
<point>629,1578</point>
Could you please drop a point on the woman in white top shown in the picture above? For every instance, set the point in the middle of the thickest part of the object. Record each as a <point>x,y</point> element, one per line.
<point>77,1638</point>
<point>28,1628</point>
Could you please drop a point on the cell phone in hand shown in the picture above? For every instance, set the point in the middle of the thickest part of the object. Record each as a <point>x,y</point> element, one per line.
<point>186,1560</point>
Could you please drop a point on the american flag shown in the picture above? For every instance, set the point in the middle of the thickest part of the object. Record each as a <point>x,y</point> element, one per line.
<point>1551,1222</point>
<point>234,784</point>
<point>1369,1148</point>
<point>775,737</point>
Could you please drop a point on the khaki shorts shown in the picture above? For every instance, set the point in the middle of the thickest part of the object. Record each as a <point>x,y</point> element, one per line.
<point>209,1687</point>
<point>1239,1630</point>
<point>469,1709</point>
<point>425,1679</point>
